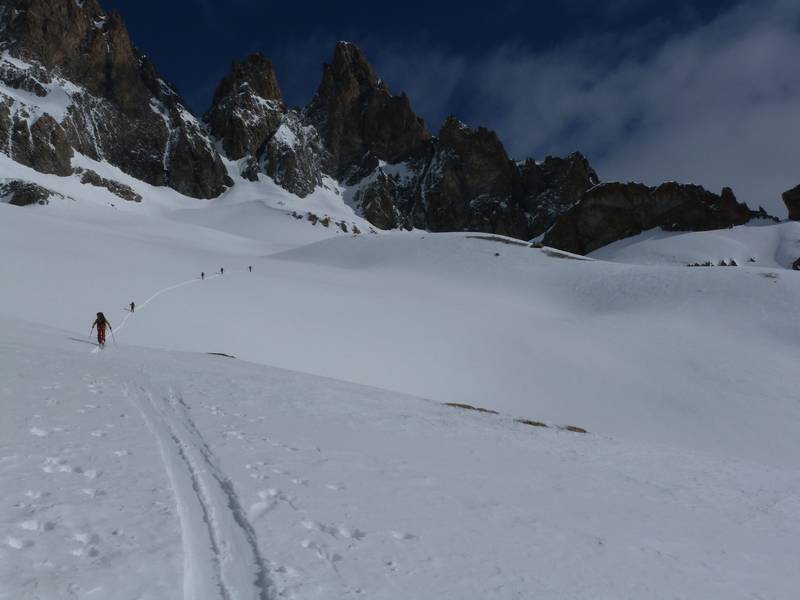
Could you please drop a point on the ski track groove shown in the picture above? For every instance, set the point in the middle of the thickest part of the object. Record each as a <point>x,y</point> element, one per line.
<point>221,556</point>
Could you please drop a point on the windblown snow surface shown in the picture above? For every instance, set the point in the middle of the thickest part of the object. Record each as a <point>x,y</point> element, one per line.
<point>321,462</point>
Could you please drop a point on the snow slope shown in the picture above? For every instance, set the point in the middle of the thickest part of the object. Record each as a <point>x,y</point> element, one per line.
<point>134,473</point>
<point>695,358</point>
<point>760,244</point>
<point>157,471</point>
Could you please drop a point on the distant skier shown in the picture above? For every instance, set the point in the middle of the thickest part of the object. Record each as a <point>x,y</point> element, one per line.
<point>101,323</point>
<point>202,276</point>
<point>133,307</point>
<point>251,268</point>
<point>221,271</point>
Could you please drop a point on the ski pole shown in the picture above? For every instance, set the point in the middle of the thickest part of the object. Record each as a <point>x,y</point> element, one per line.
<point>112,336</point>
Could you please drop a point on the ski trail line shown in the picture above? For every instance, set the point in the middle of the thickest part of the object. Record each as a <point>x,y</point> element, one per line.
<point>169,288</point>
<point>221,559</point>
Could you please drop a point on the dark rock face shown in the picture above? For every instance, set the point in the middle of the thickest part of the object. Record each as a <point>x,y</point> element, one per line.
<point>124,111</point>
<point>247,107</point>
<point>25,193</point>
<point>43,146</point>
<point>403,177</point>
<point>791,198</point>
<point>294,156</point>
<point>358,118</point>
<point>471,184</point>
<point>553,187</point>
<point>115,187</point>
<point>613,211</point>
<point>251,121</point>
<point>468,183</point>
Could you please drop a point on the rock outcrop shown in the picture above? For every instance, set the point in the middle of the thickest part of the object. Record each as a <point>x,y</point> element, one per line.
<point>614,211</point>
<point>25,193</point>
<point>116,106</point>
<point>120,190</point>
<point>791,198</point>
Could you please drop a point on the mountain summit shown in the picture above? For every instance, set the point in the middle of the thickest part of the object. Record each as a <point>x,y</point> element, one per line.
<point>72,81</point>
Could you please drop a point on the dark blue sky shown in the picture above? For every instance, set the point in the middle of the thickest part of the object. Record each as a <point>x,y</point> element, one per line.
<point>704,91</point>
<point>194,41</point>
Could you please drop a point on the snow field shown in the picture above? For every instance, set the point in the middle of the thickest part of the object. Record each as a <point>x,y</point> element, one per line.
<point>168,475</point>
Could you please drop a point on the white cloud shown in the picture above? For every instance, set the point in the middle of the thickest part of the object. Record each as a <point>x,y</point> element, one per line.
<point>715,104</point>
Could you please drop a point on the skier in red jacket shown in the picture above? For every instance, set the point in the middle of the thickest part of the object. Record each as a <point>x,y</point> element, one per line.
<point>101,322</point>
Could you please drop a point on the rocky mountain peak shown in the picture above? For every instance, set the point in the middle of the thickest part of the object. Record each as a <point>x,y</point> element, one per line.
<point>81,42</point>
<point>358,118</point>
<point>350,66</point>
<point>247,107</point>
<point>116,106</point>
<point>255,74</point>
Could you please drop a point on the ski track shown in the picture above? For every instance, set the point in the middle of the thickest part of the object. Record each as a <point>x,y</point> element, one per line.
<point>141,306</point>
<point>159,293</point>
<point>221,556</point>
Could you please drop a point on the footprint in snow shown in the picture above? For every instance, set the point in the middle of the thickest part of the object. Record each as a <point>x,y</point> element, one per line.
<point>321,551</point>
<point>38,432</point>
<point>336,531</point>
<point>399,535</point>
<point>36,525</point>
<point>269,499</point>
<point>17,543</point>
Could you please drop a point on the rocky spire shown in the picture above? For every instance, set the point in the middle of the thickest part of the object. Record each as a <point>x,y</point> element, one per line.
<point>247,107</point>
<point>360,121</point>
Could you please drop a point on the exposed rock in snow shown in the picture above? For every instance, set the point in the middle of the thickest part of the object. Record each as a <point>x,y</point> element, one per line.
<point>115,187</point>
<point>24,193</point>
<point>792,200</point>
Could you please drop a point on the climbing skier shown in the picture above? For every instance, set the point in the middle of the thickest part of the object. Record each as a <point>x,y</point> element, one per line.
<point>251,268</point>
<point>202,276</point>
<point>101,322</point>
<point>221,270</point>
<point>133,306</point>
